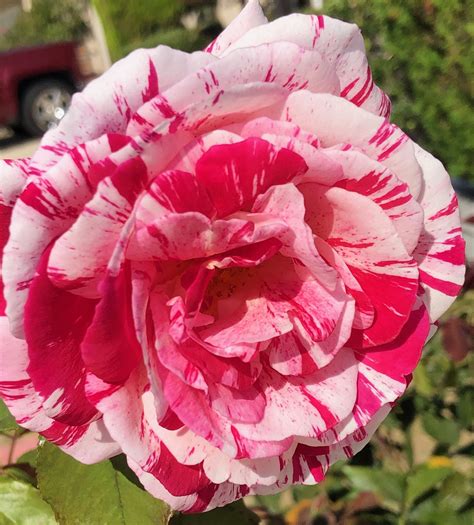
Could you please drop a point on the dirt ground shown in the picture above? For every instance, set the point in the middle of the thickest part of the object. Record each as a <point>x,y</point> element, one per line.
<point>14,146</point>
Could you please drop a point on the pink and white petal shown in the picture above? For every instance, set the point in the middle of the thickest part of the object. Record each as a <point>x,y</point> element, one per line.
<point>339,43</point>
<point>266,301</point>
<point>238,406</point>
<point>110,349</point>
<point>123,409</point>
<point>235,174</point>
<point>173,191</point>
<point>321,168</point>
<point>246,256</point>
<point>374,135</point>
<point>107,103</point>
<point>357,440</point>
<point>297,354</point>
<point>47,207</point>
<point>189,448</point>
<point>283,64</point>
<point>399,358</point>
<point>13,175</point>
<point>376,256</point>
<point>251,16</point>
<point>55,325</point>
<point>310,461</point>
<point>187,157</point>
<point>87,443</point>
<point>208,498</point>
<point>287,203</point>
<point>440,252</point>
<point>383,373</point>
<point>389,367</point>
<point>193,363</point>
<point>373,180</point>
<point>305,406</point>
<point>80,256</point>
<point>193,235</point>
<point>192,408</point>
<point>364,311</point>
<point>265,126</point>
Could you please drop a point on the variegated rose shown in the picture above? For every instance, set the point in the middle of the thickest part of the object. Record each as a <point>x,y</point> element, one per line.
<point>224,264</point>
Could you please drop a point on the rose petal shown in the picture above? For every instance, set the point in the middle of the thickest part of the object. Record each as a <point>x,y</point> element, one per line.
<point>440,252</point>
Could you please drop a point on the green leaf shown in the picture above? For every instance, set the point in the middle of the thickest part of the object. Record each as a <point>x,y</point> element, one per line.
<point>387,485</point>
<point>94,494</point>
<point>422,381</point>
<point>443,430</point>
<point>21,504</point>
<point>21,472</point>
<point>423,479</point>
<point>7,421</point>
<point>465,409</point>
<point>29,457</point>
<point>454,492</point>
<point>234,514</point>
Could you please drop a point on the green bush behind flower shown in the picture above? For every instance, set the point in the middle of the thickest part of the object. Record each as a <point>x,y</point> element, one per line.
<point>421,53</point>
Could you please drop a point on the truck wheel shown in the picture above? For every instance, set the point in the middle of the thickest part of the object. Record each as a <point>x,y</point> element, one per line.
<point>44,104</point>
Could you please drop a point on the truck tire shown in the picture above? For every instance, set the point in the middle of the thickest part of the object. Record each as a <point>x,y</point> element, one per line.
<point>43,104</point>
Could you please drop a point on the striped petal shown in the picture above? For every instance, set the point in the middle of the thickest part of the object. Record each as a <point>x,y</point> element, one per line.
<point>440,252</point>
<point>339,43</point>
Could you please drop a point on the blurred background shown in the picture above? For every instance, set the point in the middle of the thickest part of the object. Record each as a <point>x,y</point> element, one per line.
<point>419,467</point>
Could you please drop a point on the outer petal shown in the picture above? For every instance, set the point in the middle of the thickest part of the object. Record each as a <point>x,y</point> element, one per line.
<point>283,64</point>
<point>370,178</point>
<point>339,43</point>
<point>87,443</point>
<point>107,103</point>
<point>13,174</point>
<point>55,324</point>
<point>440,252</point>
<point>335,121</point>
<point>251,16</point>
<point>79,257</point>
<point>45,209</point>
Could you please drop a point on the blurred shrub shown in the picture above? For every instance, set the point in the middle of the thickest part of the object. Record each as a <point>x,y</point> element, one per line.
<point>178,38</point>
<point>127,24</point>
<point>48,21</point>
<point>421,54</point>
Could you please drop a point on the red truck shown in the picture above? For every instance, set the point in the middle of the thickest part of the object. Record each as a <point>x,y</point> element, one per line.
<point>37,83</point>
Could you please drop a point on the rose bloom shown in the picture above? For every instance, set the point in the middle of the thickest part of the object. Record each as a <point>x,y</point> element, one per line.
<point>224,264</point>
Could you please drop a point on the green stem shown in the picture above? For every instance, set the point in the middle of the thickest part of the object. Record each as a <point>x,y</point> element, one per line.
<point>12,448</point>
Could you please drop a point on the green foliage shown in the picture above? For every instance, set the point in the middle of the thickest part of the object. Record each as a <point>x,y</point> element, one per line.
<point>48,21</point>
<point>178,38</point>
<point>423,479</point>
<point>234,514</point>
<point>21,504</point>
<point>421,54</point>
<point>387,485</point>
<point>7,421</point>
<point>127,24</point>
<point>106,495</point>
